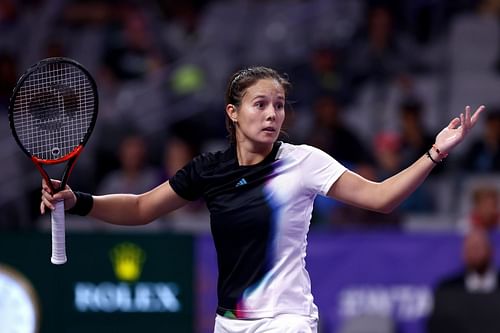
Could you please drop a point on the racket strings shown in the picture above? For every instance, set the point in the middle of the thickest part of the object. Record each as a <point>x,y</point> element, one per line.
<point>53,110</point>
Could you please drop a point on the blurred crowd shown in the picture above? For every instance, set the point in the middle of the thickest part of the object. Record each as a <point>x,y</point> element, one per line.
<point>374,82</point>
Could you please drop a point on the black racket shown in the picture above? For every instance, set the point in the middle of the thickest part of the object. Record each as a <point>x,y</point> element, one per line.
<point>52,112</point>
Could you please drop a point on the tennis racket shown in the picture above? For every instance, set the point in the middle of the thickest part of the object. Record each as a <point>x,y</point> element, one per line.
<point>52,112</point>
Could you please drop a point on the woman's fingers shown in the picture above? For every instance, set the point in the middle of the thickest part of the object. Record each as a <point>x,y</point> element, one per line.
<point>476,114</point>
<point>466,121</point>
<point>45,186</point>
<point>458,128</point>
<point>454,123</point>
<point>42,207</point>
<point>55,184</point>
<point>47,200</point>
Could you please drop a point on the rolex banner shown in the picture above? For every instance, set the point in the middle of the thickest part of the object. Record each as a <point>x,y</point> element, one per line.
<point>111,283</point>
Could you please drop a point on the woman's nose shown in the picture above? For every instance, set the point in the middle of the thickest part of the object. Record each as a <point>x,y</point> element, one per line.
<point>271,114</point>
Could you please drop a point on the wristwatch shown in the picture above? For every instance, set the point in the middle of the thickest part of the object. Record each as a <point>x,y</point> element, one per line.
<point>19,310</point>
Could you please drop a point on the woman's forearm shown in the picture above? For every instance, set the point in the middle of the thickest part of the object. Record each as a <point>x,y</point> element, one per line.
<point>383,196</point>
<point>122,209</point>
<point>131,209</point>
<point>394,190</point>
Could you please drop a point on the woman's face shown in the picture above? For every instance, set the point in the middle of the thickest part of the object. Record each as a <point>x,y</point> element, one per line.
<point>261,113</point>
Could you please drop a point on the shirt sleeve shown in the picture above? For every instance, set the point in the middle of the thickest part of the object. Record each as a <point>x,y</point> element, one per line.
<point>187,182</point>
<point>320,169</point>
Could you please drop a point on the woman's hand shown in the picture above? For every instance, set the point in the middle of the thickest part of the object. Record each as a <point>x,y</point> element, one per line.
<point>49,199</point>
<point>457,130</point>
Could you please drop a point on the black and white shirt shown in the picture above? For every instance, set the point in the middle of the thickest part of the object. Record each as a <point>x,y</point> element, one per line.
<point>260,216</point>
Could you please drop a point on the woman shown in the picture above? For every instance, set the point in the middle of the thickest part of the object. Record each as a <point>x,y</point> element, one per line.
<point>260,195</point>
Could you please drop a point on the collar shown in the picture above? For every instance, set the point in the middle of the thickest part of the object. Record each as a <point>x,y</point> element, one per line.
<point>231,154</point>
<point>485,283</point>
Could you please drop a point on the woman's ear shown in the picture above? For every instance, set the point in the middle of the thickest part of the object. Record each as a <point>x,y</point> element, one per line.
<point>232,113</point>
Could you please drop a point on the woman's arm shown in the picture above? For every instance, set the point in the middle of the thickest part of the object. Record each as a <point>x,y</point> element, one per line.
<point>122,209</point>
<point>386,195</point>
<point>382,196</point>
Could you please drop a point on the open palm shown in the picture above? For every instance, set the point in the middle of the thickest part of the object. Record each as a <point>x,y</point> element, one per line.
<point>457,129</point>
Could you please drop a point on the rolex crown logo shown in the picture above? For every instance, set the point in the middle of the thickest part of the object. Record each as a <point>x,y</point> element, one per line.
<point>127,259</point>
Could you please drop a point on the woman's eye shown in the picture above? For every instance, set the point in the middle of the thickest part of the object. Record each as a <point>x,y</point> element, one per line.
<point>280,106</point>
<point>260,105</point>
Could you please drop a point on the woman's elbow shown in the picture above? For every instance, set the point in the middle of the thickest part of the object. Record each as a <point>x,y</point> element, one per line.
<point>387,209</point>
<point>143,216</point>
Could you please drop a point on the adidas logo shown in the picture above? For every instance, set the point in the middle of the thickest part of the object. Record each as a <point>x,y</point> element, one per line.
<point>241,182</point>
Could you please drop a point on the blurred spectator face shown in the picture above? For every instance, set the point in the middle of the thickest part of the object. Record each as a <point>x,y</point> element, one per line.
<point>177,154</point>
<point>326,111</point>
<point>8,11</point>
<point>486,206</point>
<point>132,153</point>
<point>410,115</point>
<point>492,129</point>
<point>409,122</point>
<point>136,31</point>
<point>54,49</point>
<point>411,125</point>
<point>380,27</point>
<point>477,251</point>
<point>387,151</point>
<point>323,60</point>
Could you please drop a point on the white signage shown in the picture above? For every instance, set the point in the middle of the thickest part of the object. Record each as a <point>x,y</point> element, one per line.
<point>404,302</point>
<point>127,297</point>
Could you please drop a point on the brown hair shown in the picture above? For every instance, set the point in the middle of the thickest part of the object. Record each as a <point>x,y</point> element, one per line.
<point>242,80</point>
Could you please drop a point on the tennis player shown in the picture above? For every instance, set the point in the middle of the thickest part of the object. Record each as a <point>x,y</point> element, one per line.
<point>260,193</point>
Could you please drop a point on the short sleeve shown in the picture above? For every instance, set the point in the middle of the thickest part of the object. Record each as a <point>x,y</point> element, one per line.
<point>320,169</point>
<point>186,182</point>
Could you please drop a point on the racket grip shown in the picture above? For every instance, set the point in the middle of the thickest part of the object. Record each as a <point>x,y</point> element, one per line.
<point>58,234</point>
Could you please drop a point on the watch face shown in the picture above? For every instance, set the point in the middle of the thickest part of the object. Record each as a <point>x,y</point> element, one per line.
<point>18,303</point>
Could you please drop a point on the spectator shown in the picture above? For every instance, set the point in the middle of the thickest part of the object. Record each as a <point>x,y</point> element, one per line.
<point>389,159</point>
<point>415,140</point>
<point>387,148</point>
<point>382,54</point>
<point>131,53</point>
<point>331,134</point>
<point>322,74</point>
<point>485,209</point>
<point>177,153</point>
<point>193,217</point>
<point>134,175</point>
<point>469,301</point>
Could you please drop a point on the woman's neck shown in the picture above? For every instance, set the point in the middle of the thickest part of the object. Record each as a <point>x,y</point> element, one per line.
<point>252,154</point>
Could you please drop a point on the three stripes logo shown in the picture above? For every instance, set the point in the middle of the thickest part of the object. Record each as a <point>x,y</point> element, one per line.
<point>241,182</point>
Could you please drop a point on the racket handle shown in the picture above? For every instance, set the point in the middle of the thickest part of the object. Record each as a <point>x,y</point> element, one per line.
<point>58,234</point>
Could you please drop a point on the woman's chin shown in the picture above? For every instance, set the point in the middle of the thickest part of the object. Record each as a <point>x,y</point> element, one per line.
<point>270,137</point>
<point>262,139</point>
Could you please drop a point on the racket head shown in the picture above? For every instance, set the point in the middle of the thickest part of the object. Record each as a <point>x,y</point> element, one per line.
<point>53,110</point>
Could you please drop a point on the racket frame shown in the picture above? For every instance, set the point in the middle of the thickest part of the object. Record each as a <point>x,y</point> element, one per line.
<point>58,250</point>
<point>73,155</point>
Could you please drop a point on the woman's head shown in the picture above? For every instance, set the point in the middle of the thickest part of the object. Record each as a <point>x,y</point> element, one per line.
<point>256,94</point>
